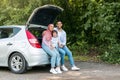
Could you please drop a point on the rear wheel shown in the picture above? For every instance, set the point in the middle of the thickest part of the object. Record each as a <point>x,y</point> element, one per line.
<point>17,63</point>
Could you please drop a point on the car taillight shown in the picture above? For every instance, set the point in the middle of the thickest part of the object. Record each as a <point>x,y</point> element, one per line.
<point>32,40</point>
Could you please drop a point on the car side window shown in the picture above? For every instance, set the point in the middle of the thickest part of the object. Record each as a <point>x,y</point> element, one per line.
<point>5,32</point>
<point>8,32</point>
<point>16,30</point>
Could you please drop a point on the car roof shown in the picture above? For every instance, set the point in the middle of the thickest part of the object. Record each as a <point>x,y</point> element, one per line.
<point>11,26</point>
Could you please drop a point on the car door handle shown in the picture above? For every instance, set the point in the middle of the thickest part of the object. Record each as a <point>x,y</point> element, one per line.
<point>9,44</point>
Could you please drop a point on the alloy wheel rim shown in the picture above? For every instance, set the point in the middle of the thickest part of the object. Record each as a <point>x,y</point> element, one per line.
<point>16,63</point>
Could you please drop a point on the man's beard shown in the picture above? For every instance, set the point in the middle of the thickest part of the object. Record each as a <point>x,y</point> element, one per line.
<point>59,28</point>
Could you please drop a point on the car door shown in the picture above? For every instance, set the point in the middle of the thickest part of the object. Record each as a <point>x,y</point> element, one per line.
<point>44,15</point>
<point>6,42</point>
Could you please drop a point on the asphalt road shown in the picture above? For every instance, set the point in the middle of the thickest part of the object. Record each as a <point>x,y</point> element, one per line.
<point>88,71</point>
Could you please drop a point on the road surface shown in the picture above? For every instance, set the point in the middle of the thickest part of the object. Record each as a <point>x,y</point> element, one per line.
<point>88,71</point>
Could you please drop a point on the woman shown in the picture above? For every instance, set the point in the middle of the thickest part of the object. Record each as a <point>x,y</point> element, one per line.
<point>46,45</point>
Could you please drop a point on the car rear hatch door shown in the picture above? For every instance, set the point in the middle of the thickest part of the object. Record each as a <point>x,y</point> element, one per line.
<point>44,15</point>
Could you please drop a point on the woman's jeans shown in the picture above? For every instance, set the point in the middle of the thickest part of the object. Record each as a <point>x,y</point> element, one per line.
<point>65,51</point>
<point>54,54</point>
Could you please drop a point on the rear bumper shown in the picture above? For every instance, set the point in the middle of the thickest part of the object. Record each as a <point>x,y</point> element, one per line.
<point>38,57</point>
<point>37,61</point>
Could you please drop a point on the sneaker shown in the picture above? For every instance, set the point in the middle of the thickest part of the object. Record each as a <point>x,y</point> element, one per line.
<point>58,70</point>
<point>53,71</point>
<point>64,68</point>
<point>74,68</point>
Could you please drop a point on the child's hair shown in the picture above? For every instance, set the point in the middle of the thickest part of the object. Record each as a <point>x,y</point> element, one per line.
<point>53,32</point>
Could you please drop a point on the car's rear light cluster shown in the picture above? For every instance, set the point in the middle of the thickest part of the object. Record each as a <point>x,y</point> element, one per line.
<point>32,40</point>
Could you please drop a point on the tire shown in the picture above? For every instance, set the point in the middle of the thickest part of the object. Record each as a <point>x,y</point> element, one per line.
<point>17,63</point>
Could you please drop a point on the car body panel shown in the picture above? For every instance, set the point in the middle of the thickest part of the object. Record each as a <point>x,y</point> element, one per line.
<point>33,56</point>
<point>5,49</point>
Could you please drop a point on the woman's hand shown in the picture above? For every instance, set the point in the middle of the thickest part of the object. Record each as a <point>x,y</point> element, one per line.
<point>51,47</point>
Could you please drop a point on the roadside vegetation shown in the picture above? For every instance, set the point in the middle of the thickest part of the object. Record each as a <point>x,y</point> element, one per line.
<point>92,26</point>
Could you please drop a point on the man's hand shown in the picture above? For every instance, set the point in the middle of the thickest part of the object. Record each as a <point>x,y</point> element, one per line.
<point>61,45</point>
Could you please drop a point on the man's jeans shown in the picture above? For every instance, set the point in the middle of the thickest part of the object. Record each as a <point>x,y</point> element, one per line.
<point>65,51</point>
<point>54,54</point>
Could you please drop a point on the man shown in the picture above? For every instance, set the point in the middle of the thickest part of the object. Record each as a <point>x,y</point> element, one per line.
<point>63,49</point>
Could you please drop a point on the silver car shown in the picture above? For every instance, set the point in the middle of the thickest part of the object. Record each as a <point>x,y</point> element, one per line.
<point>20,46</point>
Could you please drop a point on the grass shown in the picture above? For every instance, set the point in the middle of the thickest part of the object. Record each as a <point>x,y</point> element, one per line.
<point>85,58</point>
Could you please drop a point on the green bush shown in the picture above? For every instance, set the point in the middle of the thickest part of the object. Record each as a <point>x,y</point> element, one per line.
<point>112,54</point>
<point>100,31</point>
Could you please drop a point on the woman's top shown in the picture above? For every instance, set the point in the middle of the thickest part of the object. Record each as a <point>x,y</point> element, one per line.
<point>47,36</point>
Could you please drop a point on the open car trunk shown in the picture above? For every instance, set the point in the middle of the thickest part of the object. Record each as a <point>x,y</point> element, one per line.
<point>41,18</point>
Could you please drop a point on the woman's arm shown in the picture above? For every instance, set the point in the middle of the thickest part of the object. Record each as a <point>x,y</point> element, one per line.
<point>46,38</point>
